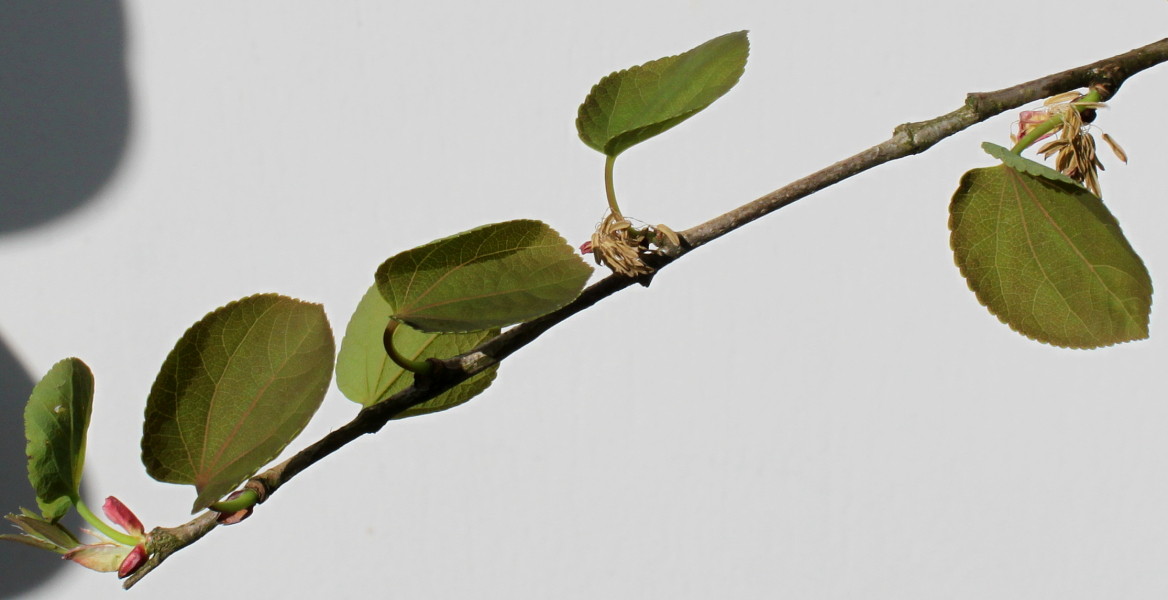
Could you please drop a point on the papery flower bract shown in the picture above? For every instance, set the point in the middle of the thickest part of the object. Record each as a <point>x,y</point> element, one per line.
<point>105,557</point>
<point>1028,120</point>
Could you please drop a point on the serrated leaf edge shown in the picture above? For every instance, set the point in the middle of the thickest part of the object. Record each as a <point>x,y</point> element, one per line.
<point>667,124</point>
<point>1025,165</point>
<point>968,283</point>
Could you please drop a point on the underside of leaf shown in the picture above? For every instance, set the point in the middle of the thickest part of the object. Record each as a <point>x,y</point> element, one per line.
<point>366,375</point>
<point>1048,259</point>
<point>237,388</point>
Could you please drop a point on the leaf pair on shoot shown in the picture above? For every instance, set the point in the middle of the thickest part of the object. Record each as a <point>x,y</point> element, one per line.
<point>237,387</point>
<point>244,381</point>
<point>446,297</point>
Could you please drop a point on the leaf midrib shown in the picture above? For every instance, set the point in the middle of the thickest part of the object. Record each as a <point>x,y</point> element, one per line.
<point>205,467</point>
<point>414,306</point>
<point>1018,181</point>
<point>421,307</point>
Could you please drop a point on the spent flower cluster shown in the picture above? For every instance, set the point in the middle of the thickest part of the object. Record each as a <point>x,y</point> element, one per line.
<point>1074,148</point>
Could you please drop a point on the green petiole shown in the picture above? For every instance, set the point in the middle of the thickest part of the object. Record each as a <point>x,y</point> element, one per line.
<point>609,188</point>
<point>106,530</point>
<point>1051,124</point>
<point>245,500</point>
<point>418,367</point>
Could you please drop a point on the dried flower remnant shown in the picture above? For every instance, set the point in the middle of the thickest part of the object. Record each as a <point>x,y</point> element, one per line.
<point>1074,149</point>
<point>1119,153</point>
<point>620,246</point>
<point>615,248</point>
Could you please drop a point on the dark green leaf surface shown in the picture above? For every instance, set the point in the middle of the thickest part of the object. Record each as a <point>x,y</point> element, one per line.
<point>488,277</point>
<point>1019,163</point>
<point>366,375</point>
<point>1048,259</point>
<point>631,106</point>
<point>237,388</point>
<point>56,419</point>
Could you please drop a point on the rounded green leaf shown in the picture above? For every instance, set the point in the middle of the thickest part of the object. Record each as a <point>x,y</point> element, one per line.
<point>237,388</point>
<point>56,420</point>
<point>490,276</point>
<point>366,375</point>
<point>1048,259</point>
<point>631,106</point>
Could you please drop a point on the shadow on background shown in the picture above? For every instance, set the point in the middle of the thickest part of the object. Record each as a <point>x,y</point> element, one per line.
<point>64,122</point>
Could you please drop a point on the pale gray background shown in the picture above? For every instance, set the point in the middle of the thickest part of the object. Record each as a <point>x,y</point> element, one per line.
<point>814,407</point>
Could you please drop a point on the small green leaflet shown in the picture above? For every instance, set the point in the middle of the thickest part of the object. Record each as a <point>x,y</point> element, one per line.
<point>56,419</point>
<point>1048,259</point>
<point>40,533</point>
<point>1019,163</point>
<point>631,106</point>
<point>237,388</point>
<point>491,276</point>
<point>366,375</point>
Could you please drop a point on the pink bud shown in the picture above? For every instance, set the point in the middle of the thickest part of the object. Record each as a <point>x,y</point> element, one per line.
<point>1028,120</point>
<point>586,247</point>
<point>118,513</point>
<point>132,562</point>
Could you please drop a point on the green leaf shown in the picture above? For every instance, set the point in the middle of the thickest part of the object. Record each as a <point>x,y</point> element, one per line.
<point>1019,163</point>
<point>631,106</point>
<point>56,419</point>
<point>40,533</point>
<point>237,388</point>
<point>488,277</point>
<point>1048,259</point>
<point>366,375</point>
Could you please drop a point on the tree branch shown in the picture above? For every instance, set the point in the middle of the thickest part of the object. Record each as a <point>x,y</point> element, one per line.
<point>910,138</point>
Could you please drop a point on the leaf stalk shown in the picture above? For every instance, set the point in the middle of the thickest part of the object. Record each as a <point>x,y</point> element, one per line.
<point>610,189</point>
<point>413,365</point>
<point>245,500</point>
<point>1054,122</point>
<point>101,526</point>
